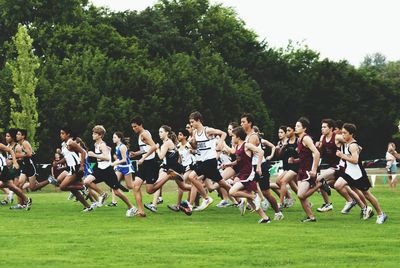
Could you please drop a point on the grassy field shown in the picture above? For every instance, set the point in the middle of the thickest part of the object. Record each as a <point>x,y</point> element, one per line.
<point>56,234</point>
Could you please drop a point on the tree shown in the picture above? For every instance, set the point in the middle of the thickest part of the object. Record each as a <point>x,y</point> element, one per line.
<point>23,112</point>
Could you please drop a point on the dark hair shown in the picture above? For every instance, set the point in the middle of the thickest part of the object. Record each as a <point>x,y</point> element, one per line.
<point>138,120</point>
<point>329,122</point>
<point>249,117</point>
<point>351,128</point>
<point>13,133</point>
<point>283,128</point>
<point>240,133</point>
<point>338,124</point>
<point>70,132</point>
<point>233,124</point>
<point>24,132</point>
<point>120,135</point>
<point>81,142</point>
<point>196,116</point>
<point>304,122</point>
<point>184,132</point>
<point>171,134</point>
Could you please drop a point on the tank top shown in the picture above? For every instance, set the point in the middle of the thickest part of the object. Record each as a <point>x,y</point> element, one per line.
<point>186,156</point>
<point>145,147</point>
<point>9,156</point>
<point>289,151</point>
<point>244,161</point>
<point>119,155</point>
<point>254,160</point>
<point>70,157</point>
<point>171,158</point>
<point>27,160</point>
<point>102,164</point>
<point>205,146</point>
<point>355,171</point>
<point>3,161</point>
<point>305,155</point>
<point>328,151</point>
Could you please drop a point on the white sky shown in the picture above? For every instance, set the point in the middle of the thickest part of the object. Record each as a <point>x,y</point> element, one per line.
<point>338,29</point>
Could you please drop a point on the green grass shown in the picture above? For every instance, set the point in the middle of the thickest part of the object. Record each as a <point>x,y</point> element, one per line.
<point>56,234</point>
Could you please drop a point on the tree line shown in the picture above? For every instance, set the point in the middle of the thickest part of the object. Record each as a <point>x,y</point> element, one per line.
<point>103,67</point>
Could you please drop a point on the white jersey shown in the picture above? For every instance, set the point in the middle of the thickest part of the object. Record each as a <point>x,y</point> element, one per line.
<point>353,170</point>
<point>145,147</point>
<point>70,157</point>
<point>254,159</point>
<point>102,164</point>
<point>186,157</point>
<point>205,147</point>
<point>3,162</point>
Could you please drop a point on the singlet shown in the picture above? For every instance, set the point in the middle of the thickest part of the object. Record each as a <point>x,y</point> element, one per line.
<point>289,151</point>
<point>305,155</point>
<point>205,147</point>
<point>244,162</point>
<point>119,155</point>
<point>26,160</point>
<point>3,161</point>
<point>145,147</point>
<point>171,158</point>
<point>186,156</point>
<point>355,171</point>
<point>254,160</point>
<point>102,164</point>
<point>70,157</point>
<point>328,151</point>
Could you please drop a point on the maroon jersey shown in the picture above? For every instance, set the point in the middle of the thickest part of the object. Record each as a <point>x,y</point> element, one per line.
<point>244,163</point>
<point>328,151</point>
<point>305,160</point>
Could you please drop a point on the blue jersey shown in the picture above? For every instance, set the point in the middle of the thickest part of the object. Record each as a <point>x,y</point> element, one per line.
<point>87,170</point>
<point>127,167</point>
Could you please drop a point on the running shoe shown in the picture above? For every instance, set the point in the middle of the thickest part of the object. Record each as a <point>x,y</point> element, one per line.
<point>131,212</point>
<point>308,219</point>
<point>88,209</point>
<point>28,204</point>
<point>160,200</point>
<point>265,204</point>
<point>223,204</point>
<point>112,204</point>
<point>94,205</point>
<point>325,207</point>
<point>173,208</point>
<point>242,206</point>
<point>325,187</point>
<point>70,196</point>
<point>102,198</point>
<point>278,216</point>
<point>205,204</point>
<point>348,206</point>
<point>17,206</point>
<point>261,221</point>
<point>289,202</point>
<point>4,202</point>
<point>52,180</point>
<point>368,213</point>
<point>186,208</point>
<point>151,207</point>
<point>380,219</point>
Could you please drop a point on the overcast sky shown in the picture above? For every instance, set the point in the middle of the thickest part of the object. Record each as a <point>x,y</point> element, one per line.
<point>338,29</point>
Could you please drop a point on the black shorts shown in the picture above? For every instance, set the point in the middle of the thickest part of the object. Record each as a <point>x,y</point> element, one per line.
<point>13,173</point>
<point>177,168</point>
<point>209,169</point>
<point>28,169</point>
<point>148,171</point>
<point>107,176</point>
<point>4,174</point>
<point>263,180</point>
<point>362,183</point>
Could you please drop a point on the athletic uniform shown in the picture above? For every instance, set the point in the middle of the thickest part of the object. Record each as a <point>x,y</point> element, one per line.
<point>290,151</point>
<point>305,163</point>
<point>13,172</point>
<point>127,167</point>
<point>206,157</point>
<point>187,158</point>
<point>103,171</point>
<point>58,169</point>
<point>246,170</point>
<point>328,154</point>
<point>355,174</point>
<point>27,166</point>
<point>171,162</point>
<point>72,158</point>
<point>263,180</point>
<point>4,173</point>
<point>148,171</point>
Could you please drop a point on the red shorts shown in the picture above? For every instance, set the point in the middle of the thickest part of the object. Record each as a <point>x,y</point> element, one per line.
<point>250,186</point>
<point>303,175</point>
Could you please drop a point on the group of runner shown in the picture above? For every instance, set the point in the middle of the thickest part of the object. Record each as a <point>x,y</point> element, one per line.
<point>201,159</point>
